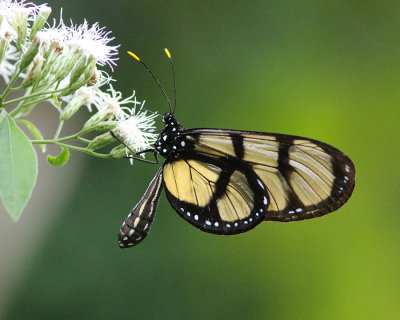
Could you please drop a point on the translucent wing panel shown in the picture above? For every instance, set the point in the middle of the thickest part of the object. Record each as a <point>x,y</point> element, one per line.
<point>219,144</point>
<point>304,178</point>
<point>213,196</point>
<point>276,186</point>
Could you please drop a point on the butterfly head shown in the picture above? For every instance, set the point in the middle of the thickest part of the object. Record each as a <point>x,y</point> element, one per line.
<point>167,117</point>
<point>170,121</point>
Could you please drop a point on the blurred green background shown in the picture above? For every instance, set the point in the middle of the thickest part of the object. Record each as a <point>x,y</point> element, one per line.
<point>329,70</point>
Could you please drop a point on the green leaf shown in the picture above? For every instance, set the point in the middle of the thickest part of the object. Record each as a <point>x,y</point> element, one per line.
<point>35,131</point>
<point>59,160</point>
<point>18,166</point>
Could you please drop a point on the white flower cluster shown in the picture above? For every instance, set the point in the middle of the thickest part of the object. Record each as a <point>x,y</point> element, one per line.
<point>62,61</point>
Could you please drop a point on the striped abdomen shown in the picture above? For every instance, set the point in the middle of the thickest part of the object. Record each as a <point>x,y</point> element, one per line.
<point>137,225</point>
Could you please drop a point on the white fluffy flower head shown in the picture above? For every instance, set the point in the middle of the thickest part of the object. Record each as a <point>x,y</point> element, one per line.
<point>51,37</point>
<point>112,104</point>
<point>92,42</point>
<point>137,130</point>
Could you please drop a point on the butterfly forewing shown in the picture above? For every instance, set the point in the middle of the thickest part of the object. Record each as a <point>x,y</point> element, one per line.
<point>304,178</point>
<point>213,195</point>
<point>137,225</point>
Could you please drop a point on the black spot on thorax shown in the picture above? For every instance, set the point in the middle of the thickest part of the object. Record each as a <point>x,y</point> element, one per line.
<point>169,141</point>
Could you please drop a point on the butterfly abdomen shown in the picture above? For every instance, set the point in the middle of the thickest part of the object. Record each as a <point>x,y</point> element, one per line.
<point>137,225</point>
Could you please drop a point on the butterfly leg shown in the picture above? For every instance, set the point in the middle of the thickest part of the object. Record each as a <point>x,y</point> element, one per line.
<point>153,131</point>
<point>136,153</point>
<point>144,160</point>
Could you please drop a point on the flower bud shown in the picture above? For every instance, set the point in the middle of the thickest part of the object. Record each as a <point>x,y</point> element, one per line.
<point>101,141</point>
<point>19,22</point>
<point>61,70</point>
<point>82,97</point>
<point>95,78</point>
<point>73,87</point>
<point>29,55</point>
<point>34,71</point>
<point>78,70</point>
<point>4,42</point>
<point>41,19</point>
<point>98,117</point>
<point>90,70</point>
<point>105,125</point>
<point>118,152</point>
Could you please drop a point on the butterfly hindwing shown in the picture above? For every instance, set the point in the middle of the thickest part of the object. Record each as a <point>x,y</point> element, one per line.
<point>215,195</point>
<point>304,178</point>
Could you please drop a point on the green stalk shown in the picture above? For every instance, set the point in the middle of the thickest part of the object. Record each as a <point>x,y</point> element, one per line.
<point>60,125</point>
<point>67,146</point>
<point>30,96</point>
<point>14,78</point>
<point>15,112</point>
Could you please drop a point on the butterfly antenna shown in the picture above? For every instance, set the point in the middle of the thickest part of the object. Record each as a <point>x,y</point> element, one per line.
<point>173,75</point>
<point>155,79</point>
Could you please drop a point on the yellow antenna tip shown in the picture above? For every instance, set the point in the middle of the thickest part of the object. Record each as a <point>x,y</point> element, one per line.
<point>167,53</point>
<point>134,55</point>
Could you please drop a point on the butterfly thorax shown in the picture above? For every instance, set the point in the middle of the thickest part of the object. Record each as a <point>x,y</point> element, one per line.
<point>170,141</point>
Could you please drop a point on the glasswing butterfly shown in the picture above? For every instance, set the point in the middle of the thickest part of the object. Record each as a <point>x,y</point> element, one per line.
<point>227,181</point>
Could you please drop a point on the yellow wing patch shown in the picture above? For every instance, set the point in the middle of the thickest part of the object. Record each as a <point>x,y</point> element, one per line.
<point>238,200</point>
<point>194,184</point>
<point>191,181</point>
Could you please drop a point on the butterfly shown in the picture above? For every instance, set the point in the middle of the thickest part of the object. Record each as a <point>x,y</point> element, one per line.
<point>227,182</point>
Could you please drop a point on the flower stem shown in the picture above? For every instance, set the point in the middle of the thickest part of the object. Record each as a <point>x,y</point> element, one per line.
<point>8,89</point>
<point>68,146</point>
<point>6,103</point>
<point>73,136</point>
<point>84,140</point>
<point>60,125</point>
<point>15,112</point>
